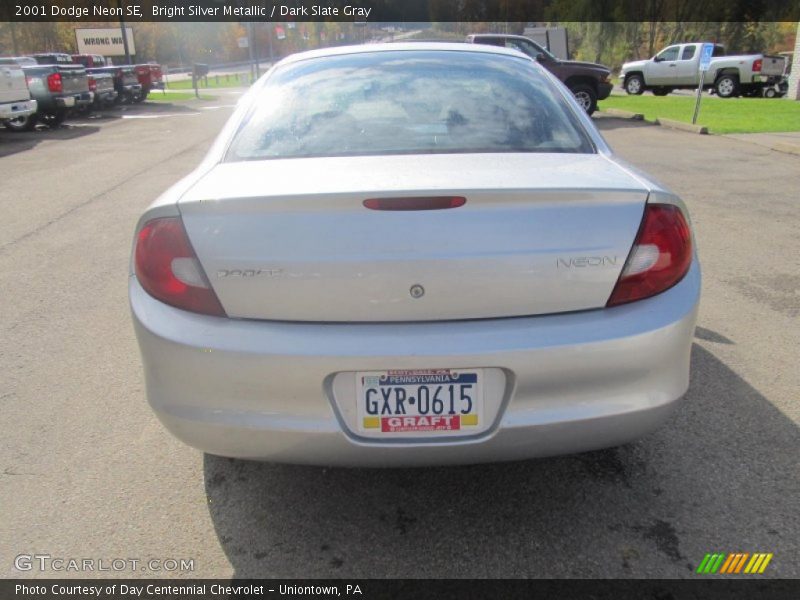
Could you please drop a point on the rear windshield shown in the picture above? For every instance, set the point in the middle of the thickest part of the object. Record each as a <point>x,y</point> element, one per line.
<point>54,59</point>
<point>408,102</point>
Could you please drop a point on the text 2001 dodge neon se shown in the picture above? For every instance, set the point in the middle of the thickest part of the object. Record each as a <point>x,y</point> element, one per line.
<point>412,254</point>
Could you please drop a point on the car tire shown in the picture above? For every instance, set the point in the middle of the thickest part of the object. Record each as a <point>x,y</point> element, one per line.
<point>586,97</point>
<point>727,86</point>
<point>770,93</point>
<point>53,119</point>
<point>661,91</point>
<point>22,123</point>
<point>634,85</point>
<point>140,97</point>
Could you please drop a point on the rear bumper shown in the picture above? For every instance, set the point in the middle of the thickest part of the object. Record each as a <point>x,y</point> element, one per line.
<point>73,100</point>
<point>262,390</point>
<point>14,110</point>
<point>105,96</point>
<point>131,89</point>
<point>766,79</point>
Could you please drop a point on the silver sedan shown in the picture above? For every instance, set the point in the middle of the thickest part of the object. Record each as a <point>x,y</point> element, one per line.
<point>413,254</point>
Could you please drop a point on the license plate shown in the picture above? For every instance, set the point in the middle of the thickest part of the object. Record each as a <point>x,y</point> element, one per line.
<point>69,101</point>
<point>426,402</point>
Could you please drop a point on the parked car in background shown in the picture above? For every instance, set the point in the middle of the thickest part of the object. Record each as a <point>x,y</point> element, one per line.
<point>126,83</point>
<point>471,275</point>
<point>150,77</point>
<point>57,87</point>
<point>678,67</point>
<point>92,61</point>
<point>589,82</point>
<point>21,61</point>
<point>781,88</point>
<point>15,98</point>
<point>102,84</point>
<point>52,58</point>
<point>126,79</point>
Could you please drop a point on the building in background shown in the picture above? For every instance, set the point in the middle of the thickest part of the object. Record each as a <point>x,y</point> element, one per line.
<point>794,76</point>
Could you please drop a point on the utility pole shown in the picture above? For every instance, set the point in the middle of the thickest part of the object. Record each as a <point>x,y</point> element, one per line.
<point>14,38</point>
<point>271,32</point>
<point>255,53</point>
<point>271,54</point>
<point>121,4</point>
<point>250,38</point>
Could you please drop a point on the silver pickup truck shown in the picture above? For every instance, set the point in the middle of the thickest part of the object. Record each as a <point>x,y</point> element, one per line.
<point>102,86</point>
<point>678,67</point>
<point>15,99</point>
<point>57,88</point>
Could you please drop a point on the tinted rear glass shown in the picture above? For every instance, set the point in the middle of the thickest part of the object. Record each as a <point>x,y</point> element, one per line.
<point>54,59</point>
<point>408,102</point>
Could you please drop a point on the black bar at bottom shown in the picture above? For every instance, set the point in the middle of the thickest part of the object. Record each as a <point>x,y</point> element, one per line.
<point>369,589</point>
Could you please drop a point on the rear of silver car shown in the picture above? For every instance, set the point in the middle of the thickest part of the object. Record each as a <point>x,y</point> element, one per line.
<point>299,299</point>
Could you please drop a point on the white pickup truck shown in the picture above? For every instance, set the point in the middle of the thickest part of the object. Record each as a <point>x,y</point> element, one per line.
<point>15,99</point>
<point>678,66</point>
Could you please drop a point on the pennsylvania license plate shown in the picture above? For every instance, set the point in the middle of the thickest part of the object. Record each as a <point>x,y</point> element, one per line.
<point>426,402</point>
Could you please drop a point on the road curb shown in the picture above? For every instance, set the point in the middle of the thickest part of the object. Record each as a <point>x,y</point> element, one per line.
<point>623,114</point>
<point>682,126</point>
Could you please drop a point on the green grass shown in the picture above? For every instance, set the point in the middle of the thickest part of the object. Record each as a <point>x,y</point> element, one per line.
<point>214,81</point>
<point>733,115</point>
<point>157,96</point>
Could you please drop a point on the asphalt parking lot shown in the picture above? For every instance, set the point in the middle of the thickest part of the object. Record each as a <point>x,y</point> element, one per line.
<point>87,471</point>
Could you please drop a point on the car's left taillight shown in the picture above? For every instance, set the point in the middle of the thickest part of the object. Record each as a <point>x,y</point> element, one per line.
<point>168,269</point>
<point>92,84</point>
<point>660,257</point>
<point>757,64</point>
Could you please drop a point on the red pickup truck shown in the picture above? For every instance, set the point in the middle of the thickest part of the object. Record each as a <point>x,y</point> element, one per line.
<point>151,77</point>
<point>148,75</point>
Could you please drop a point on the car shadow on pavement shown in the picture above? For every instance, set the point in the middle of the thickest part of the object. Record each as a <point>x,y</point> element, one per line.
<point>127,110</point>
<point>607,122</point>
<point>13,142</point>
<point>716,477</point>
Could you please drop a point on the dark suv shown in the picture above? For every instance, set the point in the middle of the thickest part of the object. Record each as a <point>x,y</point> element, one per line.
<point>589,82</point>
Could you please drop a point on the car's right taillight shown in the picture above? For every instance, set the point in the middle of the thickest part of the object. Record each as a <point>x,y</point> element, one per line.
<point>54,82</point>
<point>168,269</point>
<point>660,257</point>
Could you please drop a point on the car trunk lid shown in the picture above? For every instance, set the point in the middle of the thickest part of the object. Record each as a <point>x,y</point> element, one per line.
<point>292,239</point>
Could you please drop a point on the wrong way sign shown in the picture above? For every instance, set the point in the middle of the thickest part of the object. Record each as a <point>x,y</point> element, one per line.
<point>106,42</point>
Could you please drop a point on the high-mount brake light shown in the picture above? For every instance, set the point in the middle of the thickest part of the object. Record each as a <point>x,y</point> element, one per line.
<point>415,203</point>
